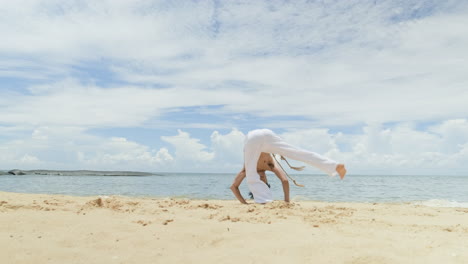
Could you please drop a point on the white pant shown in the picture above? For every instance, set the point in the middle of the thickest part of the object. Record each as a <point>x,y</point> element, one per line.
<point>264,140</point>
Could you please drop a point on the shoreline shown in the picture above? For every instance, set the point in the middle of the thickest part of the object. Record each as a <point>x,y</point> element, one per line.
<point>433,203</point>
<point>39,228</point>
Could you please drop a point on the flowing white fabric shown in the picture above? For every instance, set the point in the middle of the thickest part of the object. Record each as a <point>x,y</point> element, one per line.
<point>265,140</point>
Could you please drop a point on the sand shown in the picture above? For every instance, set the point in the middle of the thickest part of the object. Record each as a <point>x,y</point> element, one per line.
<point>37,228</point>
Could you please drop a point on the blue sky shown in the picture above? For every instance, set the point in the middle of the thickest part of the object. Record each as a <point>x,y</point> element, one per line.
<point>175,86</point>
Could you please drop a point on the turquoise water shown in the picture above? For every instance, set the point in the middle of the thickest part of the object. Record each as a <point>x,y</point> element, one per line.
<point>437,190</point>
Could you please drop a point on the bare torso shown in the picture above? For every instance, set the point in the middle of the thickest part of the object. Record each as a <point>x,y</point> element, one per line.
<point>265,162</point>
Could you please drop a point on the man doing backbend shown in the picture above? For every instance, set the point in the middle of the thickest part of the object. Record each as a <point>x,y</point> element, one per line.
<point>266,141</point>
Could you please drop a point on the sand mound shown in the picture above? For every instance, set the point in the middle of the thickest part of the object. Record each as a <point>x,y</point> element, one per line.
<point>280,205</point>
<point>112,203</point>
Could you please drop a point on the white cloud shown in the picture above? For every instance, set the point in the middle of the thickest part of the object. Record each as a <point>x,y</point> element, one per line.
<point>188,149</point>
<point>404,149</point>
<point>120,153</point>
<point>28,160</point>
<point>163,156</point>
<point>70,103</point>
<point>398,149</point>
<point>18,161</point>
<point>454,134</point>
<point>372,63</point>
<point>376,149</point>
<point>72,148</point>
<point>300,66</point>
<point>228,150</point>
<point>317,140</point>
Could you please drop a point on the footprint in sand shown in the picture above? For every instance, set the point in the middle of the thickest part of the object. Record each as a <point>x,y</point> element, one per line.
<point>143,222</point>
<point>168,221</point>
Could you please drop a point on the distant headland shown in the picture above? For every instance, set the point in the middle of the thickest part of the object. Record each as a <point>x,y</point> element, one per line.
<point>76,173</point>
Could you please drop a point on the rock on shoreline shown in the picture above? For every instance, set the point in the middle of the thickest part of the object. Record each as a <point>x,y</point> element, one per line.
<point>77,173</point>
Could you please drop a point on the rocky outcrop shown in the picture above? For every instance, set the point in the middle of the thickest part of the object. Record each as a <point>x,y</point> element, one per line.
<point>79,173</point>
<point>16,172</point>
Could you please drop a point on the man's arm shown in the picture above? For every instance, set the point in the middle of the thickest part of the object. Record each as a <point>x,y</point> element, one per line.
<point>235,186</point>
<point>284,181</point>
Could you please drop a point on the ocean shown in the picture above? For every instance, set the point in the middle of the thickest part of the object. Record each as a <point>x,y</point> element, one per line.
<point>443,191</point>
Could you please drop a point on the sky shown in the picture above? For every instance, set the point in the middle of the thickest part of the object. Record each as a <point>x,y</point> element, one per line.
<point>174,86</point>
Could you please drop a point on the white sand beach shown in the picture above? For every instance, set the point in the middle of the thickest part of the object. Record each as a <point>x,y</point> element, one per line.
<point>38,228</point>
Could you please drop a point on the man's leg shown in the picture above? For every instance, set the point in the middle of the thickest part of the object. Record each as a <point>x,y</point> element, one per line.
<point>274,144</point>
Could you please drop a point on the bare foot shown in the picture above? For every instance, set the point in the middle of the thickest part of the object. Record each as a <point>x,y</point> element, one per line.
<point>341,170</point>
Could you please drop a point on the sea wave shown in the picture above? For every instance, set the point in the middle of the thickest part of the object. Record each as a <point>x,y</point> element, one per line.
<point>442,203</point>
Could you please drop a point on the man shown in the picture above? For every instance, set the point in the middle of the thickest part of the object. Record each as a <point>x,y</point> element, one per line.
<point>265,163</point>
<point>265,140</point>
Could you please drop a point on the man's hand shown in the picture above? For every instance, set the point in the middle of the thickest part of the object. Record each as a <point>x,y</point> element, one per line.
<point>235,186</point>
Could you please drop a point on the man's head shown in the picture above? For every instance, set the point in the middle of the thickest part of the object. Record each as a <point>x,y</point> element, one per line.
<point>251,194</point>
